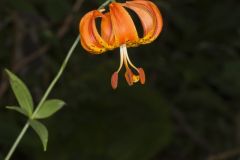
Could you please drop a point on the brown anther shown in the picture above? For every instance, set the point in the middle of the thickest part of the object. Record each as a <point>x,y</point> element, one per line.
<point>114,80</point>
<point>141,75</point>
<point>129,77</point>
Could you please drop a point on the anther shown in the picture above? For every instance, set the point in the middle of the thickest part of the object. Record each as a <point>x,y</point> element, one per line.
<point>141,75</point>
<point>114,80</point>
<point>129,77</point>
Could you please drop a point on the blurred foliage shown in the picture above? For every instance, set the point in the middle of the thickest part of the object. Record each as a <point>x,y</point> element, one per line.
<point>188,109</point>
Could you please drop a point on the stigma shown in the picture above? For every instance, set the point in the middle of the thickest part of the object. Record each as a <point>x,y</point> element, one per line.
<point>133,74</point>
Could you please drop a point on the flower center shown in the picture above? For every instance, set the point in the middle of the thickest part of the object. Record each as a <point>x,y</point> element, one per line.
<point>130,77</point>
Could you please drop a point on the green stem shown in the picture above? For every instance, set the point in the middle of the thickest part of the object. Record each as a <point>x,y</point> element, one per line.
<point>64,64</point>
<point>49,89</point>
<point>11,151</point>
<point>105,3</point>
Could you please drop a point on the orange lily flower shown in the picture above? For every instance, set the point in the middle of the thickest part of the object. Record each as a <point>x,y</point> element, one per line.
<point>118,31</point>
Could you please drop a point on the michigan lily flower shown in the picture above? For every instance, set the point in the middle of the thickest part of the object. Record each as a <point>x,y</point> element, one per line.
<point>119,31</point>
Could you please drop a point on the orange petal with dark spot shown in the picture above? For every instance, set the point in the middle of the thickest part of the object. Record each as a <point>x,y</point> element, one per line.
<point>144,15</point>
<point>123,25</point>
<point>150,17</point>
<point>90,38</point>
<point>107,32</point>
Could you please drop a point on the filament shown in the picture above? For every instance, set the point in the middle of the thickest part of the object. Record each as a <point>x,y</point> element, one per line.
<point>121,59</point>
<point>127,58</point>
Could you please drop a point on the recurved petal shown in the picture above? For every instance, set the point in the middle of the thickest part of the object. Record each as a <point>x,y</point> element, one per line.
<point>90,38</point>
<point>150,17</point>
<point>107,29</point>
<point>123,25</point>
<point>146,18</point>
<point>95,31</point>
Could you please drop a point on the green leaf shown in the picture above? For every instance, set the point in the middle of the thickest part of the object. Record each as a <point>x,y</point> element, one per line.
<point>49,108</point>
<point>21,92</point>
<point>42,132</point>
<point>18,109</point>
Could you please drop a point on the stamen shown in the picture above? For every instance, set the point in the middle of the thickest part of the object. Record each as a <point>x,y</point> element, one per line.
<point>121,59</point>
<point>123,56</point>
<point>141,75</point>
<point>114,80</point>
<point>140,71</point>
<point>129,75</point>
<point>128,59</point>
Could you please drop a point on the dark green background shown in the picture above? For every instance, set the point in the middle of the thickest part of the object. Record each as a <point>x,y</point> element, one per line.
<point>187,110</point>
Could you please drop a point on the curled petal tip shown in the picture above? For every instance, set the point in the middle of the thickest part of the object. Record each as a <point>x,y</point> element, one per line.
<point>141,75</point>
<point>114,80</point>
